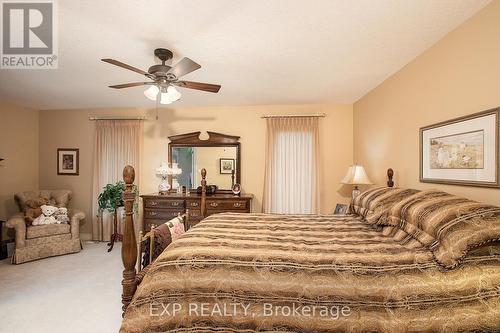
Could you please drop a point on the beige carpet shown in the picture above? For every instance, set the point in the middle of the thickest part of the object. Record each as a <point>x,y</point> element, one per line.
<point>72,293</point>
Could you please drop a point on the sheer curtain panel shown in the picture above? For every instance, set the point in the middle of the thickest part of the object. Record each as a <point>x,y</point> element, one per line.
<point>117,144</point>
<point>291,173</point>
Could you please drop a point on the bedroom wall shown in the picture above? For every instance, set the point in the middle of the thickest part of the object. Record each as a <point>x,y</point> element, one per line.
<point>72,129</point>
<point>19,148</point>
<point>457,76</point>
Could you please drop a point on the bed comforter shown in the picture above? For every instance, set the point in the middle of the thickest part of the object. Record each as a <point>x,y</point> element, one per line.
<point>293,273</point>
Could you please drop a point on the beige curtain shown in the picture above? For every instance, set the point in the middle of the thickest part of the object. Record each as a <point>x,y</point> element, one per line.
<point>292,161</point>
<point>117,144</point>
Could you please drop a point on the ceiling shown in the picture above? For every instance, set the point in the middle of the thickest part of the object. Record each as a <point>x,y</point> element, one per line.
<point>261,52</point>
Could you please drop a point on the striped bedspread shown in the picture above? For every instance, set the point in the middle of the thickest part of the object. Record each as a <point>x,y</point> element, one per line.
<point>293,273</point>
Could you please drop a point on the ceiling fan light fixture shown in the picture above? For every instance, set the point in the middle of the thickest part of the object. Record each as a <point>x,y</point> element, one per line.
<point>165,98</point>
<point>152,92</point>
<point>173,93</point>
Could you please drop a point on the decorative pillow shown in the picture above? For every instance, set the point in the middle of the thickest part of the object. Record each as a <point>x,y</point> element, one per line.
<point>374,204</point>
<point>446,224</point>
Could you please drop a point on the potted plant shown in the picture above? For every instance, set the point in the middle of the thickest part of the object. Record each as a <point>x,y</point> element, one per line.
<point>110,199</point>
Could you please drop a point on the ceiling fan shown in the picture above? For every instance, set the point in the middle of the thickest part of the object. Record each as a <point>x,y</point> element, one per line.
<point>165,77</point>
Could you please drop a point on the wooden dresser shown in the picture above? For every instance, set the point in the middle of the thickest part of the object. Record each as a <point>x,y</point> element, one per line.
<point>158,209</point>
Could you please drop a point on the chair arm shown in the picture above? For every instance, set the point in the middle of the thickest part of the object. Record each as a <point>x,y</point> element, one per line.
<point>17,222</point>
<point>75,219</point>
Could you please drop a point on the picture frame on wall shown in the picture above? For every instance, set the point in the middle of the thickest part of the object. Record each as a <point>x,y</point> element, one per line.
<point>226,165</point>
<point>68,161</point>
<point>462,151</point>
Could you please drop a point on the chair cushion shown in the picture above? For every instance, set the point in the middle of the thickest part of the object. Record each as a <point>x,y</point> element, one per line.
<point>36,231</point>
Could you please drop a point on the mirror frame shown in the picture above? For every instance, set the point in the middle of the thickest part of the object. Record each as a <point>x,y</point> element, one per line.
<point>214,140</point>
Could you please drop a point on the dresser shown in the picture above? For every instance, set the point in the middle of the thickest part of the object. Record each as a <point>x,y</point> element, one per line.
<point>158,209</point>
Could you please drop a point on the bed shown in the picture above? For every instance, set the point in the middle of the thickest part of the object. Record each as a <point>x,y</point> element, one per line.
<point>302,273</point>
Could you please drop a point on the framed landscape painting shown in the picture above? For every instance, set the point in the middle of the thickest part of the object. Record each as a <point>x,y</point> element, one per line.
<point>462,151</point>
<point>68,161</point>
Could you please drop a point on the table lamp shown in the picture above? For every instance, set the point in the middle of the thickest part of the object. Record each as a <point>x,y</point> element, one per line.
<point>356,175</point>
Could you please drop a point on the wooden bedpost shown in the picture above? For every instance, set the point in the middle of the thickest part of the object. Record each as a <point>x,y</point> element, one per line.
<point>390,174</point>
<point>203,193</point>
<point>129,246</point>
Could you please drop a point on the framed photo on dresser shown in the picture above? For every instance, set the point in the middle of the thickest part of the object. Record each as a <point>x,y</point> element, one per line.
<point>462,151</point>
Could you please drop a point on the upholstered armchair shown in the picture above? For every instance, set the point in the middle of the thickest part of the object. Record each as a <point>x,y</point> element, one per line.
<point>42,241</point>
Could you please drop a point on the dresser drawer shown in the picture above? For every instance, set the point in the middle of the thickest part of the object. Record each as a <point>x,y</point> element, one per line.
<point>164,203</point>
<point>226,205</point>
<point>193,204</point>
<point>148,223</point>
<point>194,214</point>
<point>166,214</point>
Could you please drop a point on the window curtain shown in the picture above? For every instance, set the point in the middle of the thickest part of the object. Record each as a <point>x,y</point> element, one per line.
<point>117,144</point>
<point>292,161</point>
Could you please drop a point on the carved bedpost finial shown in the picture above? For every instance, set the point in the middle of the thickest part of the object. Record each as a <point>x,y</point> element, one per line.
<point>390,174</point>
<point>128,174</point>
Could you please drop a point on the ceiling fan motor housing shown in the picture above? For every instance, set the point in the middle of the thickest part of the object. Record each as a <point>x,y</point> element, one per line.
<point>161,71</point>
<point>163,54</point>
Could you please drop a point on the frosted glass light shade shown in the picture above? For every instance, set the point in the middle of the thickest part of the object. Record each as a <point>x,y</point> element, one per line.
<point>165,98</point>
<point>152,92</point>
<point>356,175</point>
<point>173,93</point>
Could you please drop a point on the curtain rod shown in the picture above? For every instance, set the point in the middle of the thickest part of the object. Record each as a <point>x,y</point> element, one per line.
<point>319,115</point>
<point>117,118</point>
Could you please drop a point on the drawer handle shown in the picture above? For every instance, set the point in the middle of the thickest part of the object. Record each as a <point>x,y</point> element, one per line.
<point>194,204</point>
<point>153,203</point>
<point>175,203</point>
<point>237,204</point>
<point>153,213</point>
<point>214,204</point>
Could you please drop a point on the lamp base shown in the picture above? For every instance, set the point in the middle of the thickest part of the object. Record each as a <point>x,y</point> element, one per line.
<point>355,191</point>
<point>164,187</point>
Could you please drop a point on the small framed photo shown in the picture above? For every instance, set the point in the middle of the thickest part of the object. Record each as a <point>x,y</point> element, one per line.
<point>236,189</point>
<point>340,209</point>
<point>226,165</point>
<point>68,161</point>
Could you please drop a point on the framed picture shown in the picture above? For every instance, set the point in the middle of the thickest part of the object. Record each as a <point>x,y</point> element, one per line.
<point>68,161</point>
<point>236,189</point>
<point>340,209</point>
<point>226,165</point>
<point>462,151</point>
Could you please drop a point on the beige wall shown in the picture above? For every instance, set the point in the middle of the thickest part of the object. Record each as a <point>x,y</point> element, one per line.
<point>19,148</point>
<point>459,75</point>
<point>72,129</point>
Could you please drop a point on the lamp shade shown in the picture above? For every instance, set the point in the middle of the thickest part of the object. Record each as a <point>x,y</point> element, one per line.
<point>356,175</point>
<point>152,92</point>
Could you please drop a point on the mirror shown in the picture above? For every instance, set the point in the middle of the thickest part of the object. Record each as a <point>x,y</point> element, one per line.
<point>219,155</point>
<point>218,161</point>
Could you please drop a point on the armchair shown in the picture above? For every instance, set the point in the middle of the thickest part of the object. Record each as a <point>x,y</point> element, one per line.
<point>42,241</point>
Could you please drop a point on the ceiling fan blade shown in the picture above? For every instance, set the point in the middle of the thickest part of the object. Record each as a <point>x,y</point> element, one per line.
<point>128,85</point>
<point>183,67</point>
<point>213,88</point>
<point>123,65</point>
